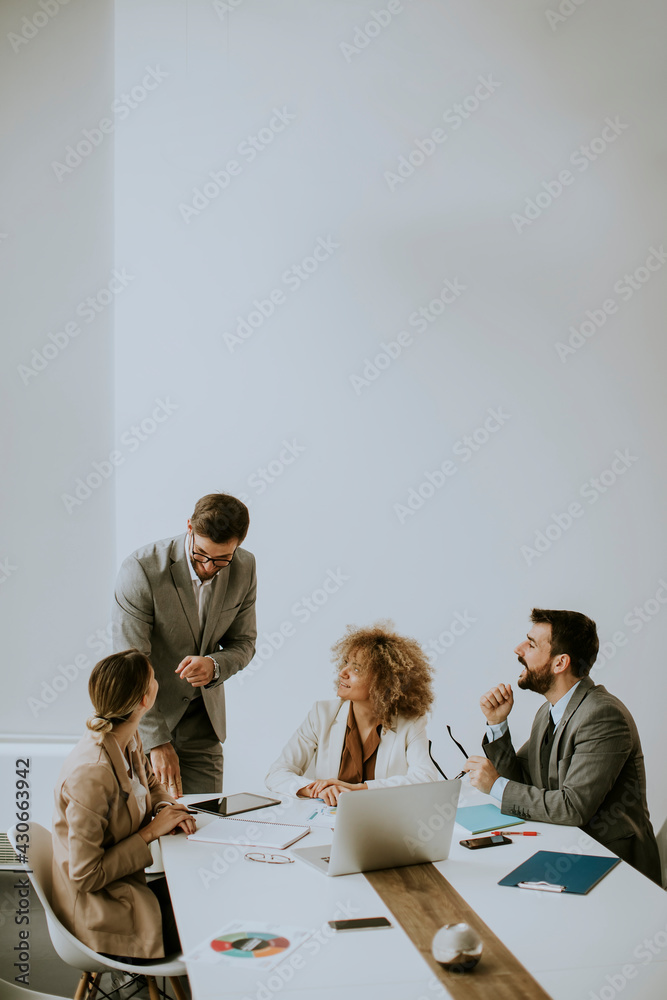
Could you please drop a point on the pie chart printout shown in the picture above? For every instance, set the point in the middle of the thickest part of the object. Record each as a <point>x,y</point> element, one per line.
<point>248,944</point>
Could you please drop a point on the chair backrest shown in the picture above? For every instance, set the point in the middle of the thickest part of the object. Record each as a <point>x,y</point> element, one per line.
<point>39,854</point>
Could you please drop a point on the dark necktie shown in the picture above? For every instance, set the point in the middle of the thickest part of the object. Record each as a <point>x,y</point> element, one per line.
<point>545,752</point>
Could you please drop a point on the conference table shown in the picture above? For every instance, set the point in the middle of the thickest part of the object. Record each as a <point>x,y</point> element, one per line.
<point>611,942</point>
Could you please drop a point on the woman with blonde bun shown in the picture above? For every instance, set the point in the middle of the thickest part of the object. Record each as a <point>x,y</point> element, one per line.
<point>109,806</point>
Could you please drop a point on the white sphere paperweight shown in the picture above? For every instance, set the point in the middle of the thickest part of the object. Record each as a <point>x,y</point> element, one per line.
<point>457,947</point>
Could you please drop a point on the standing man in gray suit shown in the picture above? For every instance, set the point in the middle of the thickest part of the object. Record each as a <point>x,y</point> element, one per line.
<point>188,603</point>
<point>583,764</point>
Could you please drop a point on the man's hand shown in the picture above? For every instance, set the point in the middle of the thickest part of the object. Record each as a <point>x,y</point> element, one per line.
<point>329,789</point>
<point>497,703</point>
<point>164,761</point>
<point>197,670</point>
<point>482,773</point>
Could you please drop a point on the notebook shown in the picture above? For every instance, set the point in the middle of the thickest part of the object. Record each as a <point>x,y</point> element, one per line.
<point>554,871</point>
<point>479,819</point>
<point>250,833</point>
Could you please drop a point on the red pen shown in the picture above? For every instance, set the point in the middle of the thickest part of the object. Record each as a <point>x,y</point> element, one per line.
<point>515,833</point>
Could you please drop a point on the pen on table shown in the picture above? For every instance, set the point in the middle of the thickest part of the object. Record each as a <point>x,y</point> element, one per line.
<point>515,833</point>
<point>313,816</point>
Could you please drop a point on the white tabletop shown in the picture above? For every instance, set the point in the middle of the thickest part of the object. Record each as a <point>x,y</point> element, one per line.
<point>611,941</point>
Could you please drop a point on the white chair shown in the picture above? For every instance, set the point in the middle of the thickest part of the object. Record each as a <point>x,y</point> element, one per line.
<point>39,854</point>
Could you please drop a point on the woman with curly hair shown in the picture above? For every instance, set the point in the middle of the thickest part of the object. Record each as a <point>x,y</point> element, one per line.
<point>374,733</point>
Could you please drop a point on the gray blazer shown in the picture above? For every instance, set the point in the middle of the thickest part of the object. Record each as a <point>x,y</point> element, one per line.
<point>596,776</point>
<point>155,611</point>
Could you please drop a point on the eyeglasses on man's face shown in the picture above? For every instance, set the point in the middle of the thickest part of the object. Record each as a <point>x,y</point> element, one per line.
<point>200,557</point>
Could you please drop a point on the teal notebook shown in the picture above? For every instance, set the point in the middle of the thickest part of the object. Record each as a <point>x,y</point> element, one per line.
<point>480,819</point>
<point>556,871</point>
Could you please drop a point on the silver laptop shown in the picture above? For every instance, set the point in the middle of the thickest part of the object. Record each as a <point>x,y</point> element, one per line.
<point>388,828</point>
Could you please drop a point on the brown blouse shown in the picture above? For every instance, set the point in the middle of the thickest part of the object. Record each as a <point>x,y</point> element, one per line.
<point>357,762</point>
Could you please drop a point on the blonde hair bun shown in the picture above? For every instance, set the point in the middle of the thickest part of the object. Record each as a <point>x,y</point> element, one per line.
<point>99,724</point>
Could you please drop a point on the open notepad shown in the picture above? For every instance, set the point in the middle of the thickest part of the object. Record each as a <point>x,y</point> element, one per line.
<point>250,833</point>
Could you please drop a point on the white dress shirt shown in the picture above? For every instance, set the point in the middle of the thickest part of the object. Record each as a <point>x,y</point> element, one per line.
<point>495,732</point>
<point>202,589</point>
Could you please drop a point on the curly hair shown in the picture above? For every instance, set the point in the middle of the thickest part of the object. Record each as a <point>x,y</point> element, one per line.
<point>400,675</point>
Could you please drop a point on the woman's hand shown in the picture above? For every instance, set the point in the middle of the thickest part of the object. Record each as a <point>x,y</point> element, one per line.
<point>168,820</point>
<point>330,789</point>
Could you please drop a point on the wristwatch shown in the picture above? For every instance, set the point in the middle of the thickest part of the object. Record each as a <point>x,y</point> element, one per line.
<point>216,669</point>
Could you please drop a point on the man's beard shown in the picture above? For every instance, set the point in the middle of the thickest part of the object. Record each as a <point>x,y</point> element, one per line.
<point>539,681</point>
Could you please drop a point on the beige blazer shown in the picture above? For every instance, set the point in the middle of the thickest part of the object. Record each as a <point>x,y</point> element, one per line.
<point>315,750</point>
<point>99,888</point>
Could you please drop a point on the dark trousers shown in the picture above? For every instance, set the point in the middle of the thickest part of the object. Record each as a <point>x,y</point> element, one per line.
<point>199,750</point>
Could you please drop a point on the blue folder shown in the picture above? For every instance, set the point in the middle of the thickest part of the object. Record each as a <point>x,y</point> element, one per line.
<point>479,819</point>
<point>569,872</point>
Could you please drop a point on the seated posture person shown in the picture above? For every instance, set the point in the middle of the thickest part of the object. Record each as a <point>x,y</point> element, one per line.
<point>104,800</point>
<point>583,764</point>
<point>374,733</point>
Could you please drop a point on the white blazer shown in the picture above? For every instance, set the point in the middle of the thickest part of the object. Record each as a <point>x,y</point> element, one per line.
<point>315,750</point>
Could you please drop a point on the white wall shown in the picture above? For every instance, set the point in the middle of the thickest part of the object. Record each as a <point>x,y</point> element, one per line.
<point>323,177</point>
<point>56,250</point>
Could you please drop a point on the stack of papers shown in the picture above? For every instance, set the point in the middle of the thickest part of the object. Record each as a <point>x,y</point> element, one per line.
<point>250,833</point>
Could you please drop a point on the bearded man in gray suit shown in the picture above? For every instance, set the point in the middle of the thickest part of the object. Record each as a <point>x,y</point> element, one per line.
<point>188,603</point>
<point>583,764</point>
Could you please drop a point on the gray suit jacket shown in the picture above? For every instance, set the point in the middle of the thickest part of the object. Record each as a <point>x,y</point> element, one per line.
<point>155,611</point>
<point>596,776</point>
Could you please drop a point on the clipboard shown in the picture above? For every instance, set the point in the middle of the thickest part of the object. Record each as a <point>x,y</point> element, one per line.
<point>553,871</point>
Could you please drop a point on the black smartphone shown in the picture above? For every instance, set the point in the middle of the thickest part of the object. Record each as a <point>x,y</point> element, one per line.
<point>232,805</point>
<point>476,842</point>
<point>364,924</point>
